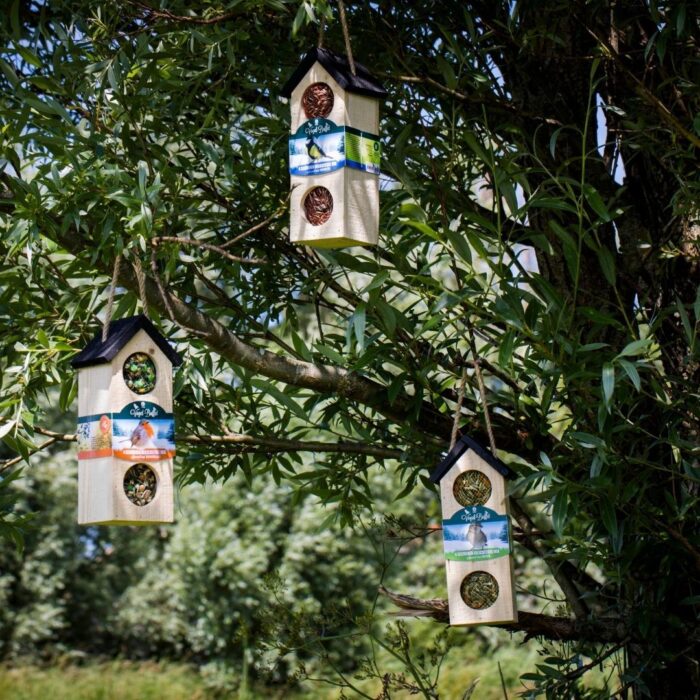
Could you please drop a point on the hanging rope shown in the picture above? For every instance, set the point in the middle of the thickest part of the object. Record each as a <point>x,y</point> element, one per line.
<point>482,388</point>
<point>346,34</point>
<point>141,279</point>
<point>159,284</point>
<point>321,32</point>
<point>110,299</point>
<point>458,409</point>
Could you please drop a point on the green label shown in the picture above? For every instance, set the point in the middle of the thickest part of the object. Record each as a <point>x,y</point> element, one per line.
<point>362,150</point>
<point>476,533</point>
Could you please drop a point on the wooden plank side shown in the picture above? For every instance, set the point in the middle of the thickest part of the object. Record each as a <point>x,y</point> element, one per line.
<point>102,501</point>
<point>95,490</point>
<point>94,396</point>
<point>162,393</point>
<point>159,510</point>
<point>317,74</point>
<point>362,112</point>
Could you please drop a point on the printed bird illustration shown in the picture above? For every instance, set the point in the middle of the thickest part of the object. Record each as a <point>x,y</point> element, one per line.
<point>476,536</point>
<point>142,434</point>
<point>314,150</point>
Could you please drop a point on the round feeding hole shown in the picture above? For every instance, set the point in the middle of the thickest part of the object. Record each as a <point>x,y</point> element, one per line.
<point>318,206</point>
<point>317,100</point>
<point>140,484</point>
<point>140,373</point>
<point>479,590</point>
<point>472,488</point>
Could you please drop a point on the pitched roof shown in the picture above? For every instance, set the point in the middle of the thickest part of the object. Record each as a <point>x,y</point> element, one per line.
<point>120,333</point>
<point>461,446</point>
<point>337,65</point>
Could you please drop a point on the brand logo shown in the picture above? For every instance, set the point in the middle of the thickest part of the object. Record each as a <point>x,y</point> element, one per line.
<point>317,126</point>
<point>144,410</point>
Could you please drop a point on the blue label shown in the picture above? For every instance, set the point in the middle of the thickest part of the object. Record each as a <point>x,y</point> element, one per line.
<point>320,146</point>
<point>476,533</point>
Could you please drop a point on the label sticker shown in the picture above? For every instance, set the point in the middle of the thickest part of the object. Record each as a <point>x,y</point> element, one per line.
<point>321,146</point>
<point>94,436</point>
<point>476,534</point>
<point>363,150</point>
<point>141,432</point>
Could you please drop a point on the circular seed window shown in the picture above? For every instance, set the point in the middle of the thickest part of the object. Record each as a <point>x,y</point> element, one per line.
<point>472,488</point>
<point>318,206</point>
<point>140,484</point>
<point>317,100</point>
<point>479,590</point>
<point>140,373</point>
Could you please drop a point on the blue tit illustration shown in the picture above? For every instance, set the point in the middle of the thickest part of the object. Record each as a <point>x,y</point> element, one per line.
<point>314,150</point>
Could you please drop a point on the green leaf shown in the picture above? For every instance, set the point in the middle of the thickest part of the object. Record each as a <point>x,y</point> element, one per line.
<point>9,73</point>
<point>460,245</point>
<point>632,373</point>
<point>687,327</point>
<point>359,320</point>
<point>607,264</point>
<point>607,513</point>
<point>5,428</point>
<point>608,381</point>
<point>377,281</point>
<point>143,176</point>
<point>505,350</point>
<point>559,512</point>
<point>29,56</point>
<point>596,202</point>
<point>636,347</point>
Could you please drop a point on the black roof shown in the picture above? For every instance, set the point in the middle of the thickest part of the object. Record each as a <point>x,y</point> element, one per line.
<point>461,446</point>
<point>120,333</point>
<point>337,65</point>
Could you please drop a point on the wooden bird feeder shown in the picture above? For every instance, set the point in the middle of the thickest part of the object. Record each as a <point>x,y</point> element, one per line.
<point>476,533</point>
<point>126,432</point>
<point>334,152</point>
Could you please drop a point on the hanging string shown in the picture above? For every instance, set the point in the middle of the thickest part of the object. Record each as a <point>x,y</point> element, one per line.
<point>141,279</point>
<point>159,284</point>
<point>346,34</point>
<point>110,299</point>
<point>458,409</point>
<point>482,388</point>
<point>321,32</point>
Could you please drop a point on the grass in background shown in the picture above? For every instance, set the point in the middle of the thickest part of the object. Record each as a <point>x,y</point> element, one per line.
<point>102,681</point>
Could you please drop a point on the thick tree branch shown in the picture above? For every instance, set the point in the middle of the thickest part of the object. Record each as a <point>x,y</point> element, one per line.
<point>600,630</point>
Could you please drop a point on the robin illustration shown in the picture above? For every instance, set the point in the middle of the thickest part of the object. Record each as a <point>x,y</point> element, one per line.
<point>142,434</point>
<point>314,150</point>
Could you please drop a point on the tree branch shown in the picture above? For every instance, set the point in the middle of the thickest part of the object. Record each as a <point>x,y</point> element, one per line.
<point>188,19</point>
<point>567,586</point>
<point>242,440</point>
<point>600,630</point>
<point>157,240</point>
<point>643,91</point>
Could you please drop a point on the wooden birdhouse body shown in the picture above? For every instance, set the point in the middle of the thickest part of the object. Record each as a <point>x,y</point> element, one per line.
<point>476,533</point>
<point>125,426</point>
<point>334,153</point>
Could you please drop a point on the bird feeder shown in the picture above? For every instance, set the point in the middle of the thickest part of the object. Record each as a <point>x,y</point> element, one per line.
<point>126,431</point>
<point>476,534</point>
<point>334,152</point>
